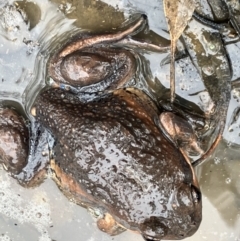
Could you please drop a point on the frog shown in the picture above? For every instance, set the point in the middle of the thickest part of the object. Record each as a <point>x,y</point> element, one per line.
<point>107,148</point>
<point>94,158</point>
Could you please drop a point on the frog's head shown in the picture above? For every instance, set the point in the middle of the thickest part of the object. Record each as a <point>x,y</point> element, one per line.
<point>182,219</point>
<point>180,212</point>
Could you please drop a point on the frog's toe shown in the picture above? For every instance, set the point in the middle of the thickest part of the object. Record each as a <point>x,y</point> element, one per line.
<point>108,225</point>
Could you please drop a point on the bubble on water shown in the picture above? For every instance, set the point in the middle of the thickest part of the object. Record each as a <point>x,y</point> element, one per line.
<point>208,70</point>
<point>236,93</point>
<point>31,45</point>
<point>206,103</point>
<point>228,180</point>
<point>216,160</point>
<point>35,211</point>
<point>229,143</point>
<point>66,8</point>
<point>214,47</point>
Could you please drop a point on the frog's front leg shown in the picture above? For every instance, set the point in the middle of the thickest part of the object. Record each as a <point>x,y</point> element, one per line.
<point>24,149</point>
<point>40,145</point>
<point>181,133</point>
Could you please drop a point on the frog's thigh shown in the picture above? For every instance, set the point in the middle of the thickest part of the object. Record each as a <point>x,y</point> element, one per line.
<point>77,193</point>
<point>179,131</point>
<point>71,187</point>
<point>108,225</point>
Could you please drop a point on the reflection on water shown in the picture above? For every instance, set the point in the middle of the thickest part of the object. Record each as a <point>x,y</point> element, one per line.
<point>44,213</point>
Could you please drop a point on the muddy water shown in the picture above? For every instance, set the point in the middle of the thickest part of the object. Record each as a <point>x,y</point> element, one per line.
<point>44,213</point>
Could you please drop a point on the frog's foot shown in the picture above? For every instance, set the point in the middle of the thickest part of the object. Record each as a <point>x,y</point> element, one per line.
<point>108,225</point>
<point>180,132</point>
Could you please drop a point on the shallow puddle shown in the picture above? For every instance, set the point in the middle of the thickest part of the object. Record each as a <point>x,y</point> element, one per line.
<point>44,213</point>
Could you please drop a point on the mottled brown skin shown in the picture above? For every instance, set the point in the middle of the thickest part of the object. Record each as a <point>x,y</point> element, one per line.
<point>14,137</point>
<point>111,154</point>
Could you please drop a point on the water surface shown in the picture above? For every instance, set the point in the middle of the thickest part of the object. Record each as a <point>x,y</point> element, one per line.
<point>44,213</point>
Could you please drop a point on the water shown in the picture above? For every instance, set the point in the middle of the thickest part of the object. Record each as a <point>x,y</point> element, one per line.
<point>44,213</point>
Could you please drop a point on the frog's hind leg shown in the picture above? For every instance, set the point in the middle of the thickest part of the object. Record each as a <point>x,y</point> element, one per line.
<point>78,194</point>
